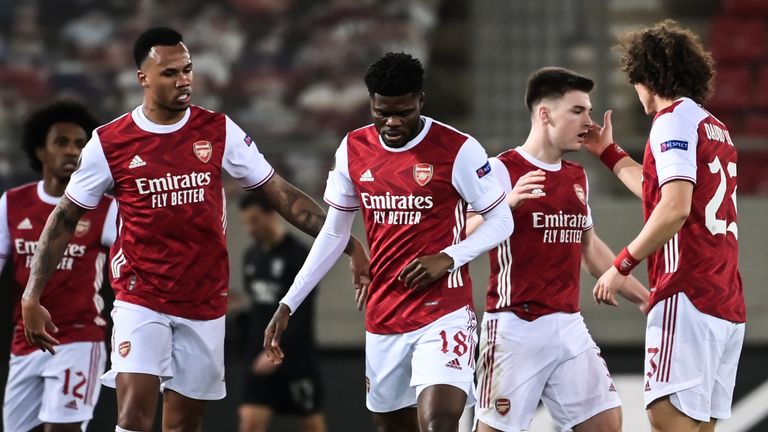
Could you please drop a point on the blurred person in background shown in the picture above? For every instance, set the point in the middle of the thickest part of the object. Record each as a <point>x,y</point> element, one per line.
<point>413,178</point>
<point>269,266</point>
<point>56,393</point>
<point>534,344</point>
<point>169,265</point>
<point>687,183</point>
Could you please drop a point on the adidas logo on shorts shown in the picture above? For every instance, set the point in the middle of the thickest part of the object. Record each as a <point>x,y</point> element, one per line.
<point>454,364</point>
<point>71,404</point>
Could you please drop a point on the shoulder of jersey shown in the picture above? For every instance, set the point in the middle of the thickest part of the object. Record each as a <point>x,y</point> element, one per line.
<point>21,188</point>
<point>361,130</point>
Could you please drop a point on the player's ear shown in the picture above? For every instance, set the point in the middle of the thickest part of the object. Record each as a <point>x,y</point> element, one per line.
<point>542,112</point>
<point>142,78</point>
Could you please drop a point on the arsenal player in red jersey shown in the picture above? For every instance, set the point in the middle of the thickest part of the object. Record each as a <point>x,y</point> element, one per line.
<point>687,182</point>
<point>56,393</point>
<point>534,345</point>
<point>412,177</point>
<point>169,264</point>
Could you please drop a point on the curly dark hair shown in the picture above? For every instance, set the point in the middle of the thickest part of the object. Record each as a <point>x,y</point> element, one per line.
<point>554,82</point>
<point>668,59</point>
<point>38,124</point>
<point>395,74</point>
<point>155,36</point>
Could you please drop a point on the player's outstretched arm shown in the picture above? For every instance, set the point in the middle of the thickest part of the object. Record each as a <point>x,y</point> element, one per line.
<point>665,221</point>
<point>599,142</point>
<point>597,258</point>
<point>50,248</point>
<point>324,253</point>
<point>305,214</point>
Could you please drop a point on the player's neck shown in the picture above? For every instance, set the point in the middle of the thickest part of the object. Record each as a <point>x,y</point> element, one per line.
<point>542,149</point>
<point>53,185</point>
<point>660,103</point>
<point>161,116</point>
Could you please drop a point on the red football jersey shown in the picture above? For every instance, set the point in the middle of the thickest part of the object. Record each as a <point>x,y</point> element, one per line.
<point>72,294</point>
<point>170,254</point>
<point>536,271</point>
<point>413,202</point>
<point>701,260</point>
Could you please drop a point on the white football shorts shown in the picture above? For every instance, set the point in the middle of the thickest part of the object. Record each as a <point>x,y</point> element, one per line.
<point>692,358</point>
<point>60,388</point>
<point>187,355</point>
<point>399,366</point>
<point>551,359</point>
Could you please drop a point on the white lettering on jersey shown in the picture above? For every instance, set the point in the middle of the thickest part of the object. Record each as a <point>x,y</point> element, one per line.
<point>396,209</point>
<point>27,248</point>
<point>173,190</point>
<point>560,227</point>
<point>716,133</point>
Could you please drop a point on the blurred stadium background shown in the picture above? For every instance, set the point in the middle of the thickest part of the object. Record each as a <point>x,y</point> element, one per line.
<point>290,73</point>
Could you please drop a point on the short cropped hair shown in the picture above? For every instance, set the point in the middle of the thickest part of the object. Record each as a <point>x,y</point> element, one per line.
<point>253,199</point>
<point>395,74</point>
<point>668,59</point>
<point>155,36</point>
<point>38,124</point>
<point>554,82</point>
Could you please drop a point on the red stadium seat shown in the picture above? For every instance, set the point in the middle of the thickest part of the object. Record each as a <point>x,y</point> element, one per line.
<point>736,39</point>
<point>732,89</point>
<point>756,125</point>
<point>761,88</point>
<point>746,6</point>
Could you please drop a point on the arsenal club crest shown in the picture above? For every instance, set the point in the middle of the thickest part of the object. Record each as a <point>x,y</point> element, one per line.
<point>203,150</point>
<point>83,225</point>
<point>422,173</point>
<point>124,348</point>
<point>502,406</point>
<point>580,193</point>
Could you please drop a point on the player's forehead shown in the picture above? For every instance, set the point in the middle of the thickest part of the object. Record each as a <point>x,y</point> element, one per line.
<point>576,98</point>
<point>168,57</point>
<point>66,129</point>
<point>395,103</point>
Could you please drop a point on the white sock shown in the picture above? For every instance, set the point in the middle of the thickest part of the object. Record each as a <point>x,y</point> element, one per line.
<point>119,429</point>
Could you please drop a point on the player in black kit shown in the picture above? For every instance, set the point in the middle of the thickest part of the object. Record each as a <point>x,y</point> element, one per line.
<point>269,267</point>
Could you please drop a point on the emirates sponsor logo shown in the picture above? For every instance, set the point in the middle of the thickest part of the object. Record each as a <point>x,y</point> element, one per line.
<point>82,228</point>
<point>366,176</point>
<point>124,348</point>
<point>171,183</point>
<point>580,193</point>
<point>24,225</point>
<point>396,202</point>
<point>558,220</point>
<point>136,162</point>
<point>422,173</point>
<point>502,406</point>
<point>203,150</point>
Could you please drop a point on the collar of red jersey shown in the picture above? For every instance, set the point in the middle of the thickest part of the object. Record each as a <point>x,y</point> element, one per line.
<point>147,125</point>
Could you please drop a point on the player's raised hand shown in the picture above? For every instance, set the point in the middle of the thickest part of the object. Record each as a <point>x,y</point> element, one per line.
<point>274,332</point>
<point>607,286</point>
<point>528,186</point>
<point>599,137</point>
<point>424,270</point>
<point>37,324</point>
<point>360,265</point>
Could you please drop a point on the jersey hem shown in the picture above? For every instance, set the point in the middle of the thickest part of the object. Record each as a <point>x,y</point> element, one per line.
<point>260,183</point>
<point>493,205</point>
<point>87,207</point>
